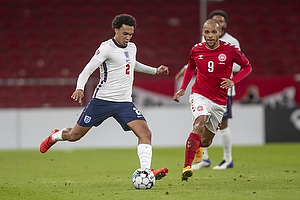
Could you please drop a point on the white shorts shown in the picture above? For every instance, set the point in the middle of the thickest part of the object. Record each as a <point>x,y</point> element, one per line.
<point>201,105</point>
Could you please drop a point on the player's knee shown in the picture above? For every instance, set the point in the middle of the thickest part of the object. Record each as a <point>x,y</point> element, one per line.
<point>198,128</point>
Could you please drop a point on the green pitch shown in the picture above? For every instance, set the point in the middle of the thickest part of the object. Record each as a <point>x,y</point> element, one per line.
<point>260,172</point>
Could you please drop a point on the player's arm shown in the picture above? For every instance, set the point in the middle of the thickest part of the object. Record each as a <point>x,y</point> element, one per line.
<point>180,73</point>
<point>139,67</point>
<point>101,54</point>
<point>236,68</point>
<point>188,75</point>
<point>83,78</point>
<point>246,67</point>
<point>245,71</point>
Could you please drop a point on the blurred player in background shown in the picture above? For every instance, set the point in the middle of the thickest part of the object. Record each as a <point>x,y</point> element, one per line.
<point>214,61</point>
<point>202,158</point>
<point>116,59</point>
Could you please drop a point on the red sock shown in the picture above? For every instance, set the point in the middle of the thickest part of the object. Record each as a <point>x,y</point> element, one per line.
<point>191,147</point>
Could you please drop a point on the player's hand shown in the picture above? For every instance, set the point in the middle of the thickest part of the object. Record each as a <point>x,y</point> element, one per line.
<point>178,94</point>
<point>77,96</point>
<point>227,83</point>
<point>162,70</point>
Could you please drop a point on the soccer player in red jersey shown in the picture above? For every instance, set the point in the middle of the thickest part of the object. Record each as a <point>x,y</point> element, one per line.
<point>213,60</point>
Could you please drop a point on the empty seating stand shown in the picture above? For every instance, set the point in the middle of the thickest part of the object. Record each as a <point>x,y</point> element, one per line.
<point>55,39</point>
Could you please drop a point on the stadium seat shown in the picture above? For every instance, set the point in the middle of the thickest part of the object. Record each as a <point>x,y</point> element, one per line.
<point>8,97</point>
<point>48,39</point>
<point>28,96</point>
<point>51,96</point>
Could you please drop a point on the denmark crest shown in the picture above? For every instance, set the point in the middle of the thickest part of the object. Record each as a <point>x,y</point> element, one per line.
<point>87,119</point>
<point>222,57</point>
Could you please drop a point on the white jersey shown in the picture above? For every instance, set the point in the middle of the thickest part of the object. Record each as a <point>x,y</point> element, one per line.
<point>117,65</point>
<point>229,38</point>
<point>235,68</point>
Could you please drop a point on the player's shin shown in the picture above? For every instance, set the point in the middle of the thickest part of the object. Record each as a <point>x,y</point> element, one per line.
<point>192,145</point>
<point>145,155</point>
<point>227,144</point>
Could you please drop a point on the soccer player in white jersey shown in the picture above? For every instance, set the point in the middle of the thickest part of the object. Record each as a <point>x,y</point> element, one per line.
<point>202,158</point>
<point>116,59</point>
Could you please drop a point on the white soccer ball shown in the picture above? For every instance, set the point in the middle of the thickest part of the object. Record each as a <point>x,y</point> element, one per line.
<point>143,179</point>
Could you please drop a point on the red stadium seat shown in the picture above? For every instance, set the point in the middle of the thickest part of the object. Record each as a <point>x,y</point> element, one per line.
<point>41,38</point>
<point>8,97</point>
<point>28,96</point>
<point>51,96</point>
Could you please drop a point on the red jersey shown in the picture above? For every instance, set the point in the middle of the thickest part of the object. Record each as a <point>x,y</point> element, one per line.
<point>212,65</point>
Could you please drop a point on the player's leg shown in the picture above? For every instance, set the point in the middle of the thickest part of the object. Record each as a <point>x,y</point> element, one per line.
<point>207,116</point>
<point>70,134</point>
<point>75,133</point>
<point>200,136</point>
<point>226,141</point>
<point>130,118</point>
<point>227,161</point>
<point>142,131</point>
<point>199,113</point>
<point>88,118</point>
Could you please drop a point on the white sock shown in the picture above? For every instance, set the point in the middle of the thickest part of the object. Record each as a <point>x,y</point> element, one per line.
<point>57,136</point>
<point>205,154</point>
<point>227,144</point>
<point>145,155</point>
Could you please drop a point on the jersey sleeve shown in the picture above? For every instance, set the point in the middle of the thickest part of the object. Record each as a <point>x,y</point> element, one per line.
<point>101,54</point>
<point>236,67</point>
<point>83,77</point>
<point>139,67</point>
<point>246,67</point>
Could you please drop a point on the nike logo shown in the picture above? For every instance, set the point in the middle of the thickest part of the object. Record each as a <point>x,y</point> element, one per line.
<point>200,57</point>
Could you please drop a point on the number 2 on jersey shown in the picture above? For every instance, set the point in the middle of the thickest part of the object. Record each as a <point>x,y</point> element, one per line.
<point>127,69</point>
<point>210,66</point>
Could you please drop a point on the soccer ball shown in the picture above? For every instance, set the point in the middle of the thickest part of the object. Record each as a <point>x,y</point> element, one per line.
<point>143,179</point>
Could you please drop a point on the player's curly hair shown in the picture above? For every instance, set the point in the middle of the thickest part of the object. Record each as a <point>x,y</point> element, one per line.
<point>121,19</point>
<point>218,12</point>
